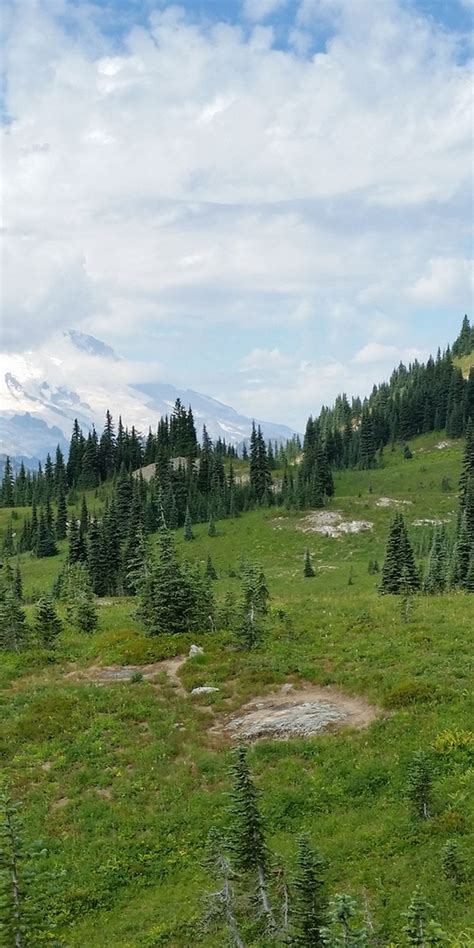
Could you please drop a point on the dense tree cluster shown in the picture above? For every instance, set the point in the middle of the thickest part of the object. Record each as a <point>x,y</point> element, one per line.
<point>450,563</point>
<point>433,396</point>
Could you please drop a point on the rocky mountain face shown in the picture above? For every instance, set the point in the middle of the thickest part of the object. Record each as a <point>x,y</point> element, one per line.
<point>78,376</point>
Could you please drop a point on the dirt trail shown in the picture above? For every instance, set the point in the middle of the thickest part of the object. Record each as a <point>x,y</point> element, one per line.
<point>299,712</point>
<point>107,674</point>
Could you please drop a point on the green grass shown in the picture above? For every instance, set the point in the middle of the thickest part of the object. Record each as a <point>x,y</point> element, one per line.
<point>124,781</point>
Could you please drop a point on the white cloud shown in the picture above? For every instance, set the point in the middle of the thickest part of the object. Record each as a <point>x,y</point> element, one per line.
<point>447,280</point>
<point>202,177</point>
<point>374,353</point>
<point>263,359</point>
<point>259,9</point>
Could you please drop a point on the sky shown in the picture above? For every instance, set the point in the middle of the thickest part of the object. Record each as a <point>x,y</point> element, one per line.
<point>269,201</point>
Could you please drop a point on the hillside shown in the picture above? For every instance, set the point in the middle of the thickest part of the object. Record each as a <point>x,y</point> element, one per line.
<point>123,779</point>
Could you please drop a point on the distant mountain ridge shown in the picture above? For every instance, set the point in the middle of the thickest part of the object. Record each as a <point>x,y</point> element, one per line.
<point>81,377</point>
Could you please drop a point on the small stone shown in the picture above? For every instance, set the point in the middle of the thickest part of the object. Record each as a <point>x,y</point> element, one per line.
<point>203,690</point>
<point>195,650</point>
<point>287,686</point>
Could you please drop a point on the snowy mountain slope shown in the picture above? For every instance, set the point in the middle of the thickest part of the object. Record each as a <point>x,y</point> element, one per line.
<point>79,376</point>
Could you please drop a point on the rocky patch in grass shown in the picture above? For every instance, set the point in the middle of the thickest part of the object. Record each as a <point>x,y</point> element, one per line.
<point>108,674</point>
<point>392,502</point>
<point>330,523</point>
<point>289,713</point>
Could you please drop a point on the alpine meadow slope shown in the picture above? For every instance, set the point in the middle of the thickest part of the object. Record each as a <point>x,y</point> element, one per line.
<point>336,571</point>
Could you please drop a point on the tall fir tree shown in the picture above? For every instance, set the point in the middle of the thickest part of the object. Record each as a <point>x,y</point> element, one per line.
<point>248,837</point>
<point>309,903</point>
<point>399,573</point>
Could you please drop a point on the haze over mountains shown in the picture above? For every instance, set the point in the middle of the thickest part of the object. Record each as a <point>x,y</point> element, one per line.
<point>79,376</point>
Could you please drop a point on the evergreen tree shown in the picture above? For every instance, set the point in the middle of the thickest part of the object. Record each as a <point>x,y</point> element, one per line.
<point>8,546</point>
<point>14,632</point>
<point>467,472</point>
<point>461,556</point>
<point>211,530</point>
<point>309,908</point>
<point>399,573</point>
<point>76,550</point>
<point>107,448</point>
<point>436,576</point>
<point>84,518</point>
<point>419,784</point>
<point>343,929</point>
<point>84,614</point>
<point>221,904</point>
<point>47,622</point>
<point>173,598</point>
<point>18,583</point>
<point>210,571</point>
<point>7,491</point>
<point>308,568</point>
<point>96,560</point>
<point>454,863</point>
<point>420,929</point>
<point>188,527</point>
<point>26,886</point>
<point>135,563</point>
<point>45,541</point>
<point>61,514</point>
<point>248,839</point>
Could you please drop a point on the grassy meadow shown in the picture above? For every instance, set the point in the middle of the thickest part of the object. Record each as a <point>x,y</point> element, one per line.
<point>122,782</point>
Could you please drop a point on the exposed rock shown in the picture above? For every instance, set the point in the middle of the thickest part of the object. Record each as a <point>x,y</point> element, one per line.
<point>304,712</point>
<point>391,502</point>
<point>329,523</point>
<point>195,650</point>
<point>204,690</point>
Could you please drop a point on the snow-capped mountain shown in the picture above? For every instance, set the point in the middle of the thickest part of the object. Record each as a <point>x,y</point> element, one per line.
<point>78,376</point>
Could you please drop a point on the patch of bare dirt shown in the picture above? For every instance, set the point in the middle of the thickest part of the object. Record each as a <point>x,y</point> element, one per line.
<point>302,712</point>
<point>108,674</point>
<point>330,523</point>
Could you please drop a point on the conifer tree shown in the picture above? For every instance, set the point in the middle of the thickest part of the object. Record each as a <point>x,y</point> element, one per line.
<point>248,839</point>
<point>8,546</point>
<point>61,514</point>
<point>96,560</point>
<point>420,929</point>
<point>14,632</point>
<point>461,556</point>
<point>309,906</point>
<point>75,551</point>
<point>436,575</point>
<point>454,863</point>
<point>399,573</point>
<point>135,563</point>
<point>84,614</point>
<point>343,929</point>
<point>419,784</point>
<point>48,625</point>
<point>211,530</point>
<point>308,568</point>
<point>18,583</point>
<point>210,571</point>
<point>221,904</point>
<point>188,526</point>
<point>7,492</point>
<point>468,461</point>
<point>84,518</point>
